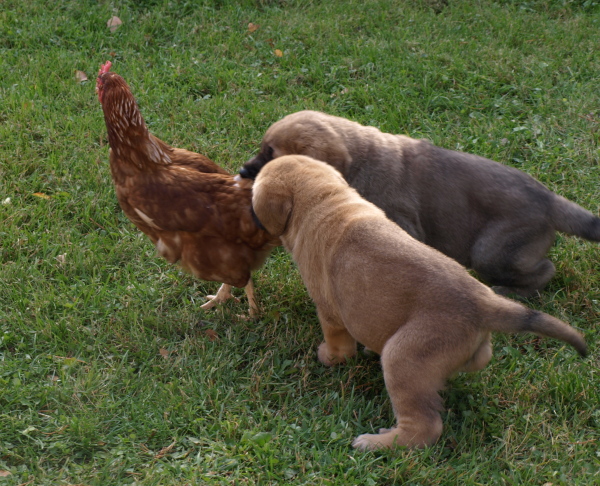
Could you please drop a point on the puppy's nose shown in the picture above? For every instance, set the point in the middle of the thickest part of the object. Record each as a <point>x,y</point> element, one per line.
<point>248,172</point>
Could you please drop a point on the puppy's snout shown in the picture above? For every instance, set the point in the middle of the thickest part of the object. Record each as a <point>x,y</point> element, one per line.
<point>246,173</point>
<point>250,169</point>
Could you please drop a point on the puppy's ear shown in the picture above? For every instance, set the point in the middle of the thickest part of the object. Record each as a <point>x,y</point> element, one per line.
<point>272,206</point>
<point>322,142</point>
<point>332,149</point>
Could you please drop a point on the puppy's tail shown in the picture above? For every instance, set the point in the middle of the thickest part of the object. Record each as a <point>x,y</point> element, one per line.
<point>510,316</point>
<point>571,218</point>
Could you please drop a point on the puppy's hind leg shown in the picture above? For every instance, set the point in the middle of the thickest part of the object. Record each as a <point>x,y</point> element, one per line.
<point>413,376</point>
<point>513,260</point>
<point>339,345</point>
<point>481,357</point>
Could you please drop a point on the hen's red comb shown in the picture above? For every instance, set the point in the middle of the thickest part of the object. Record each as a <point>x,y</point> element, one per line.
<point>105,68</point>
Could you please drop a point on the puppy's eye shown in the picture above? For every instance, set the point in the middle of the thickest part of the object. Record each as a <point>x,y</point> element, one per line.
<point>269,154</point>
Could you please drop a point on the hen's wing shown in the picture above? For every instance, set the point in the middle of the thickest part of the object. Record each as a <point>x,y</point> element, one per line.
<point>185,158</point>
<point>180,198</point>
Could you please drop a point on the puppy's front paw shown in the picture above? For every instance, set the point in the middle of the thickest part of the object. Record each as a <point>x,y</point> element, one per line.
<point>387,438</point>
<point>327,358</point>
<point>369,442</point>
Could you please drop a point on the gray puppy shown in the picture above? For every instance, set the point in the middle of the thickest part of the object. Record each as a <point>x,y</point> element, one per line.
<point>495,219</point>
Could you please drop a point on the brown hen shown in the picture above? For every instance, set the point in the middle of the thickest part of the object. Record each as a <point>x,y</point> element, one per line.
<point>192,209</point>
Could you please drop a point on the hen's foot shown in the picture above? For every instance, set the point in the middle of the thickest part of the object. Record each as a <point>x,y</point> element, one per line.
<point>223,294</point>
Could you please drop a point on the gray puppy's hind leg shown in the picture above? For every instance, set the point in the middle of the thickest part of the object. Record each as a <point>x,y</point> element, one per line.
<point>529,285</point>
<point>513,260</point>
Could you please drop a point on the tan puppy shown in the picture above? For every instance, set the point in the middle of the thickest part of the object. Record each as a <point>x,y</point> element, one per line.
<point>373,283</point>
<point>487,216</point>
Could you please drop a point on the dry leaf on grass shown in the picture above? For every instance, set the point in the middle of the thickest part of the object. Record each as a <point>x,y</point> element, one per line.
<point>278,53</point>
<point>164,353</point>
<point>41,195</point>
<point>4,474</point>
<point>80,76</point>
<point>164,451</point>
<point>211,335</point>
<point>253,27</point>
<point>114,23</point>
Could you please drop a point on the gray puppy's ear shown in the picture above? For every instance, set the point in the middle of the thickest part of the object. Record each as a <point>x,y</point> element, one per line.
<point>272,205</point>
<point>319,142</point>
<point>330,148</point>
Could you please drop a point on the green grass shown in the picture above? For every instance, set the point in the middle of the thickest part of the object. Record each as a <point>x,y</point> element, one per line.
<point>109,371</point>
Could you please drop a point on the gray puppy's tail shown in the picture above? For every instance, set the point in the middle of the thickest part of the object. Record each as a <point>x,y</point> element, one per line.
<point>571,218</point>
<point>510,316</point>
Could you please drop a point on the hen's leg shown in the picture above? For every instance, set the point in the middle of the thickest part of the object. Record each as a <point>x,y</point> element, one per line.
<point>249,288</point>
<point>223,294</point>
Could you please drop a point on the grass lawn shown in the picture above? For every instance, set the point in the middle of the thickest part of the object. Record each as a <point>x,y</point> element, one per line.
<point>111,374</point>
